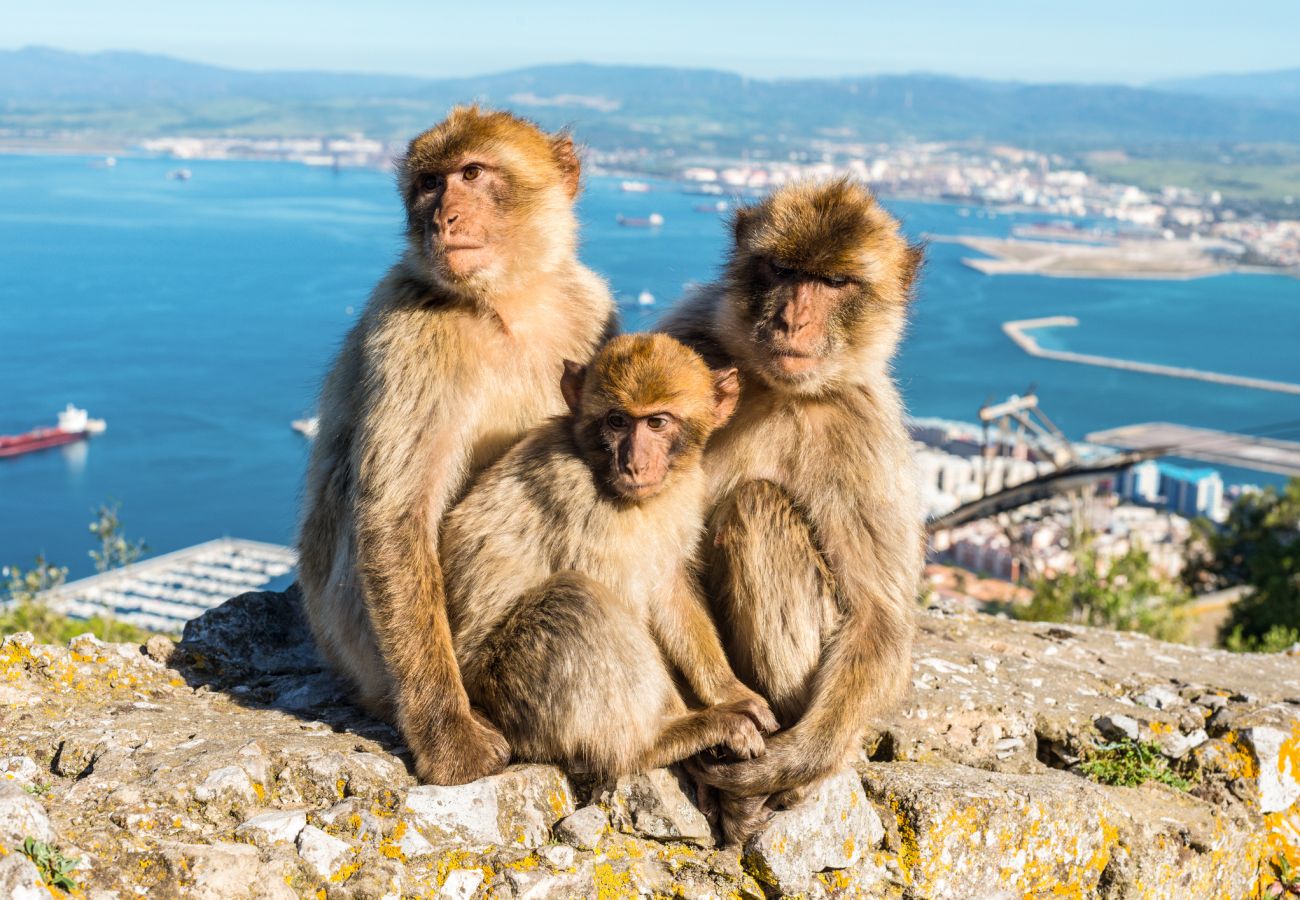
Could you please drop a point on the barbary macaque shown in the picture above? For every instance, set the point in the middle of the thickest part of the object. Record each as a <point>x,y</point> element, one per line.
<point>814,548</point>
<point>568,589</point>
<point>453,359</point>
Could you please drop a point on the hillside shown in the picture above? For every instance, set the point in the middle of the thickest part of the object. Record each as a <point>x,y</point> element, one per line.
<point>141,95</point>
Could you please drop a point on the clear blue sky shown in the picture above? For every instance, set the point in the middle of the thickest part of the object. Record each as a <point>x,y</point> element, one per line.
<point>1067,40</point>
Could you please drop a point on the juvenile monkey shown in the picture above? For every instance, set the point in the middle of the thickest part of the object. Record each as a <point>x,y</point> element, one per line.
<point>452,360</point>
<point>814,547</point>
<point>567,583</point>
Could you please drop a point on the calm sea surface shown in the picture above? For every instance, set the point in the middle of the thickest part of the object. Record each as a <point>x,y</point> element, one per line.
<point>198,317</point>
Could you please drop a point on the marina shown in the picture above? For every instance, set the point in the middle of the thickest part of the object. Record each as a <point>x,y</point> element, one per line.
<point>163,593</point>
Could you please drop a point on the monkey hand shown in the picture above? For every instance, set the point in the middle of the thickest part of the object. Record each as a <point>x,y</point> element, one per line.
<point>744,701</point>
<point>742,816</point>
<point>466,747</point>
<point>737,735</point>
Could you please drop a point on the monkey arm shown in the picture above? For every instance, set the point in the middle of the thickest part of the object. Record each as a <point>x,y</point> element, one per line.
<point>686,633</point>
<point>865,665</point>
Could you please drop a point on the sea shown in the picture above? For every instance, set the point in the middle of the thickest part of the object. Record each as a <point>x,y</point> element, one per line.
<point>198,316</point>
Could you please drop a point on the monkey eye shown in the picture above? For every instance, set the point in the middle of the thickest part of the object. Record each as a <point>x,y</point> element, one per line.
<point>656,423</point>
<point>836,280</point>
<point>617,421</point>
<point>781,271</point>
<point>472,171</point>
<point>430,181</point>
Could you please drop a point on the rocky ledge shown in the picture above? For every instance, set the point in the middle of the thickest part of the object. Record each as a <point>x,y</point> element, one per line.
<point>231,765</point>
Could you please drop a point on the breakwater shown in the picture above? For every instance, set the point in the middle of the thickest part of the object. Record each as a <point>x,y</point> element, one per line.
<point>1018,332</point>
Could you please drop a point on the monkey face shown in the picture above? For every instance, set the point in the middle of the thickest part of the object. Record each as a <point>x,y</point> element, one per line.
<point>488,196</point>
<point>643,409</point>
<point>817,285</point>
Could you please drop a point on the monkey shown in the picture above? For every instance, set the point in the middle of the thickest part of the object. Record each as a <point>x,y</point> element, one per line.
<point>451,361</point>
<point>814,547</point>
<point>568,591</point>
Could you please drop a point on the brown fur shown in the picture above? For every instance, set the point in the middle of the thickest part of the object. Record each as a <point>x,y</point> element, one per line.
<point>814,547</point>
<point>568,605</point>
<point>443,372</point>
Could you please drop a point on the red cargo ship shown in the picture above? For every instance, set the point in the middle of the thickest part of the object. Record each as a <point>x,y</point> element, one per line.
<point>74,425</point>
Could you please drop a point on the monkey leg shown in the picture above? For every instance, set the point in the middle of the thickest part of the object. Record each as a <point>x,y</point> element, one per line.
<point>344,635</point>
<point>773,594</point>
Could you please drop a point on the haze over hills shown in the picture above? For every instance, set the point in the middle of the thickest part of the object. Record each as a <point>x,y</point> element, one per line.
<point>143,95</point>
<point>1263,87</point>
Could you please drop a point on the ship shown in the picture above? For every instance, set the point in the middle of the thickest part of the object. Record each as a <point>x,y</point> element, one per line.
<point>654,220</point>
<point>306,427</point>
<point>645,298</point>
<point>74,425</point>
<point>635,187</point>
<point>180,174</point>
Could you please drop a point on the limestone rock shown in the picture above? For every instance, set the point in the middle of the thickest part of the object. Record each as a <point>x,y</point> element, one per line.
<point>20,880</point>
<point>659,805</point>
<point>584,828</point>
<point>461,884</point>
<point>273,827</point>
<point>830,829</point>
<point>515,809</point>
<point>1119,727</point>
<point>322,853</point>
<point>1277,760</point>
<point>22,816</point>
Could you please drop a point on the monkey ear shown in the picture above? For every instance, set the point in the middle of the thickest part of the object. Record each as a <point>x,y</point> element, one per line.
<point>566,156</point>
<point>742,223</point>
<point>571,384</point>
<point>726,393</point>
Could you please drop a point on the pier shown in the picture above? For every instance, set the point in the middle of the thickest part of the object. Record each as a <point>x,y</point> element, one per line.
<point>165,592</point>
<point>1223,447</point>
<point>1017,331</point>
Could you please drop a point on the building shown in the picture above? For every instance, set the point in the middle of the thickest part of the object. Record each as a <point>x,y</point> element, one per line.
<point>1190,492</point>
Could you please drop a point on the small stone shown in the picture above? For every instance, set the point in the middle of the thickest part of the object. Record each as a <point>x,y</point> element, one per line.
<point>86,644</point>
<point>227,784</point>
<point>656,805</point>
<point>20,769</point>
<point>584,828</point>
<point>22,816</point>
<point>1176,745</point>
<point>1279,782</point>
<point>274,827</point>
<point>413,845</point>
<point>159,648</point>
<point>561,856</point>
<point>1118,727</point>
<point>1158,697</point>
<point>322,853</point>
<point>355,815</point>
<point>23,639</point>
<point>830,829</point>
<point>20,880</point>
<point>514,809</point>
<point>461,884</point>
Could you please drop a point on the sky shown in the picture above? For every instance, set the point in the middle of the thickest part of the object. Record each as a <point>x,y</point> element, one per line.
<point>1128,41</point>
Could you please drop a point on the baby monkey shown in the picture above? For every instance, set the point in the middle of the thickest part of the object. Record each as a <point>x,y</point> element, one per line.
<point>569,594</point>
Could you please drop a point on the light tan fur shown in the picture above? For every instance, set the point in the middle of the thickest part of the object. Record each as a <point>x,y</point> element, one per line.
<point>814,550</point>
<point>440,376</point>
<point>571,605</point>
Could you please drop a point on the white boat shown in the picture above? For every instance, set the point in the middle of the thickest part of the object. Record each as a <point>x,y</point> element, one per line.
<point>306,427</point>
<point>645,298</point>
<point>635,187</point>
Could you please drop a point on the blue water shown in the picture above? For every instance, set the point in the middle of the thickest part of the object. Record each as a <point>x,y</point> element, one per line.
<point>198,317</point>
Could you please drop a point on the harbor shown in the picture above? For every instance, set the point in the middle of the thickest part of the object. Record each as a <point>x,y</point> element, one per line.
<point>163,593</point>
<point>1223,447</point>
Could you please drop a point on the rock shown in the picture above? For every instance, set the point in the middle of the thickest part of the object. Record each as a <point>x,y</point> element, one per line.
<point>1158,697</point>
<point>1176,744</point>
<point>21,640</point>
<point>274,827</point>
<point>22,816</point>
<point>584,828</point>
<point>657,805</point>
<point>461,884</point>
<point>561,856</point>
<point>1277,761</point>
<point>21,770</point>
<point>1211,701</point>
<point>229,785</point>
<point>322,853</point>
<point>86,644</point>
<point>830,829</point>
<point>1118,727</point>
<point>159,648</point>
<point>20,880</point>
<point>411,843</point>
<point>516,808</point>
<point>220,871</point>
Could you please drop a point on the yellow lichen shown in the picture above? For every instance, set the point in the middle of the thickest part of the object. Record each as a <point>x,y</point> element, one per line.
<point>611,885</point>
<point>346,872</point>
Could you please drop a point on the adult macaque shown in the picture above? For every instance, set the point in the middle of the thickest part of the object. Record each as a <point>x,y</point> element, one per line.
<point>814,549</point>
<point>452,360</point>
<point>567,583</point>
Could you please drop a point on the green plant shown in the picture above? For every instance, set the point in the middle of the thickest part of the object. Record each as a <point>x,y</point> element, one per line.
<point>1130,763</point>
<point>55,868</point>
<point>1287,880</point>
<point>1275,640</point>
<point>115,549</point>
<point>1123,594</point>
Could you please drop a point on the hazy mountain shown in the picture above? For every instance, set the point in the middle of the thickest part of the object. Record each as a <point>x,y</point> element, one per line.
<point>140,95</point>
<point>1283,85</point>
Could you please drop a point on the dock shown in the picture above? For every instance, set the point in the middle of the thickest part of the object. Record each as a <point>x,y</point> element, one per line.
<point>165,592</point>
<point>1223,447</point>
<point>1017,331</point>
